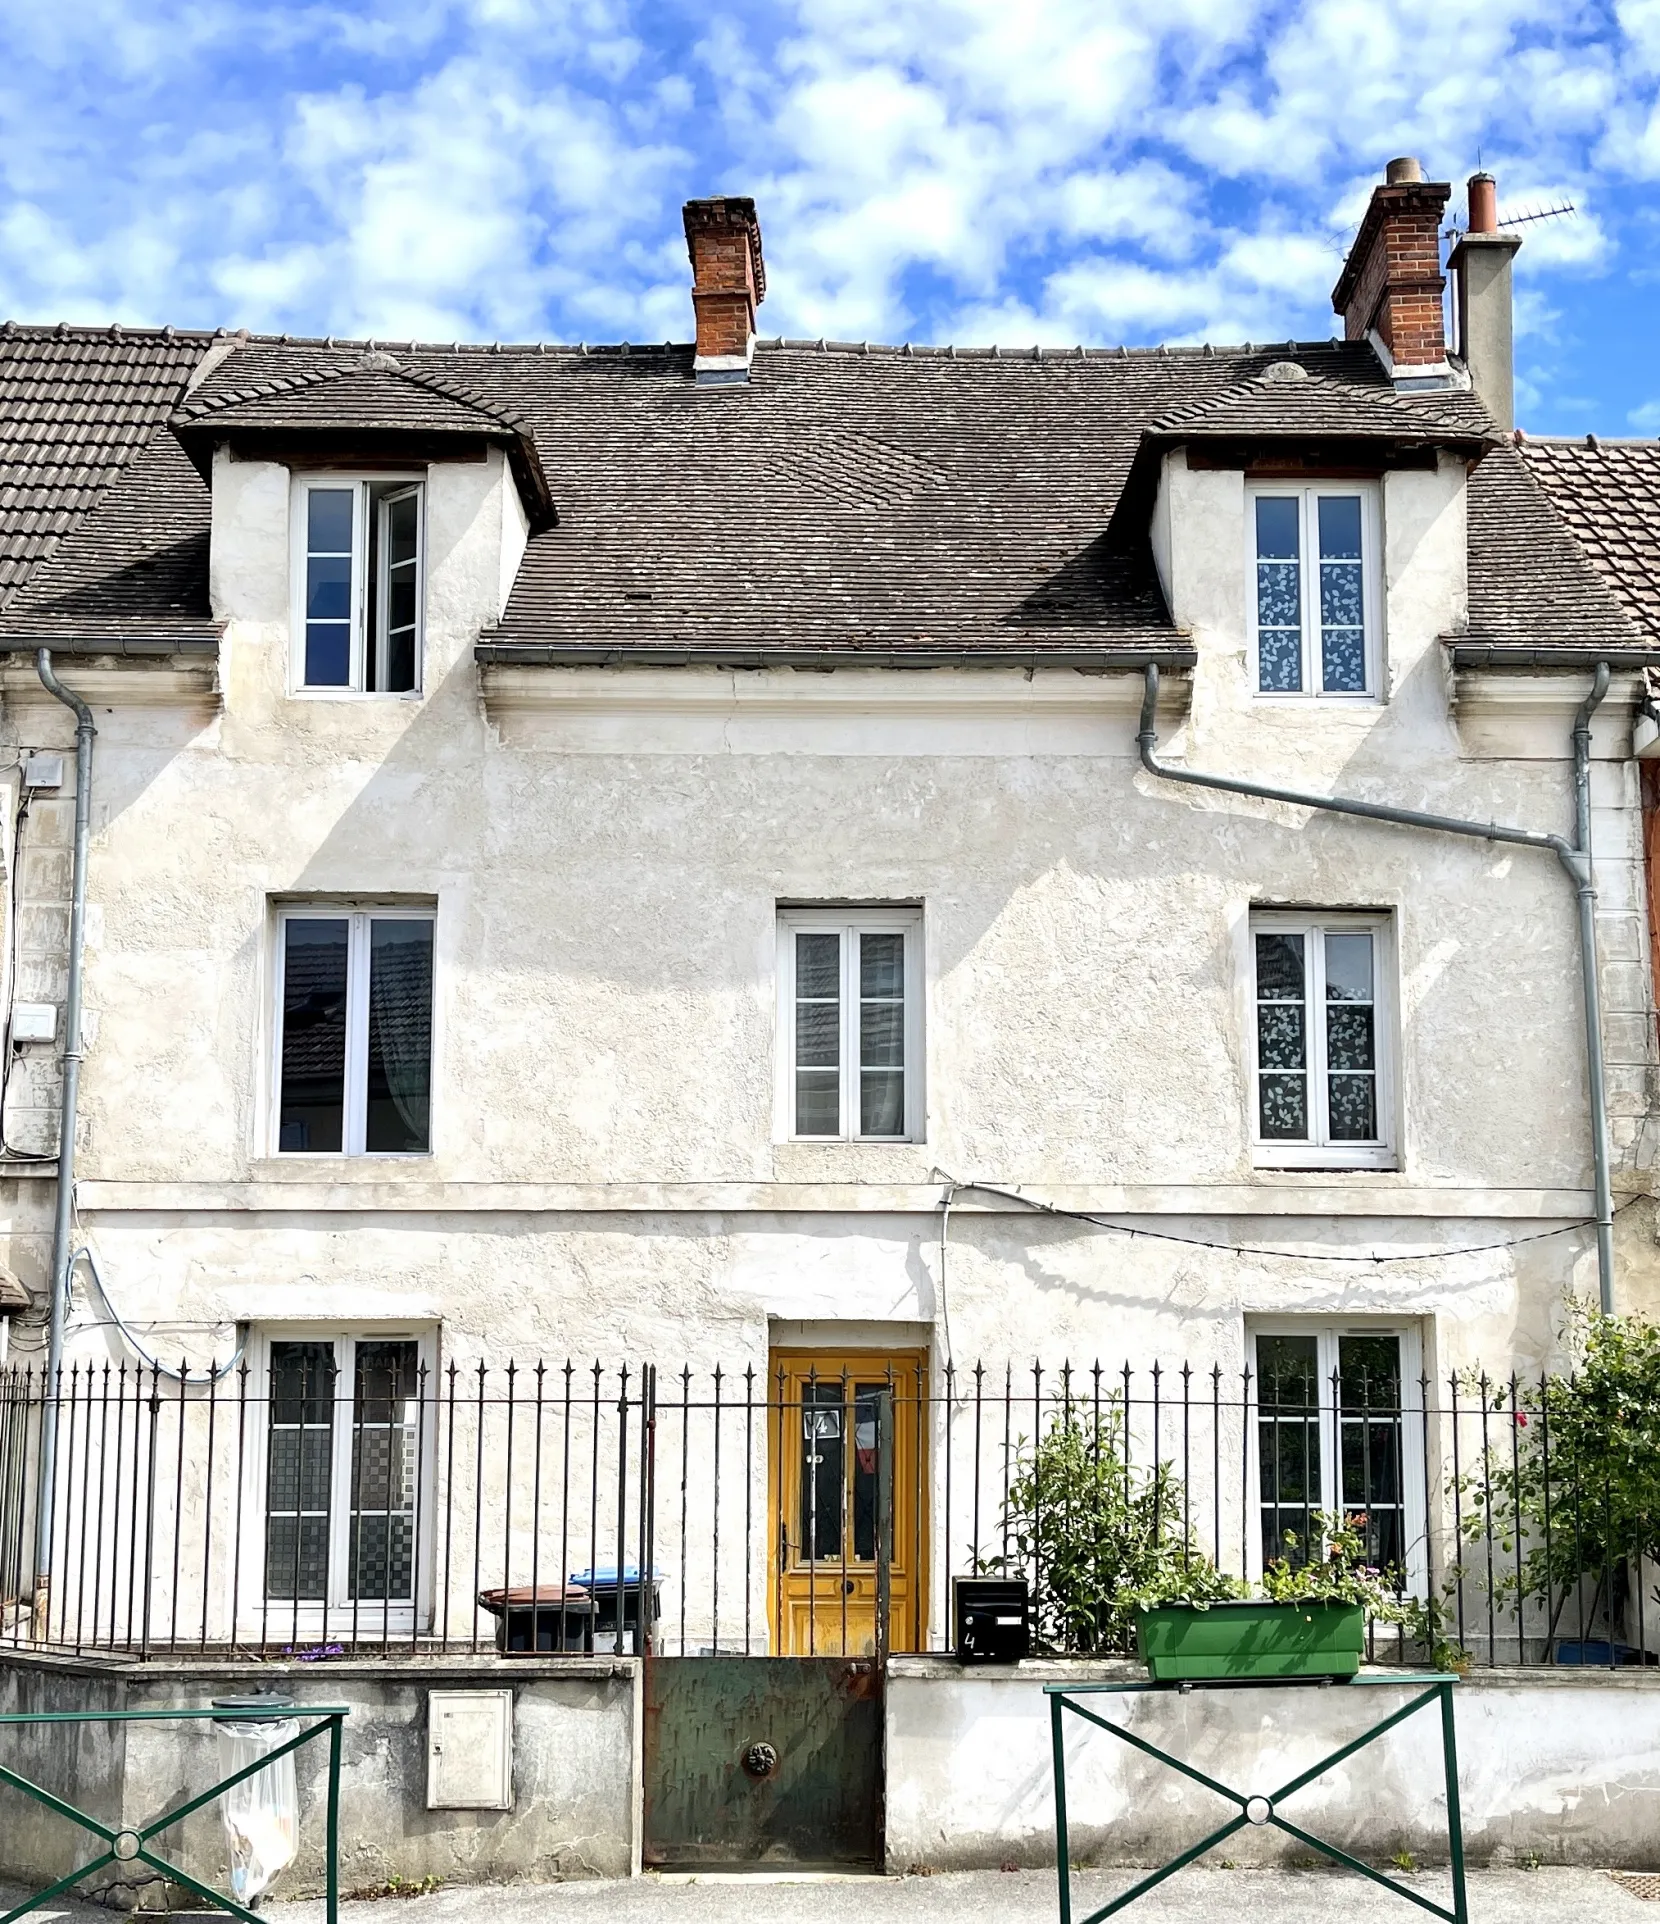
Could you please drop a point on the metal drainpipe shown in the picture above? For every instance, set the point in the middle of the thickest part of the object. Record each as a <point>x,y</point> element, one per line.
<point>1574,856</point>
<point>62,1237</point>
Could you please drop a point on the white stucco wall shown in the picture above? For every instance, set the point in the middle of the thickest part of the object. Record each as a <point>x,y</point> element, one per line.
<point>606,850</point>
<point>1550,1767</point>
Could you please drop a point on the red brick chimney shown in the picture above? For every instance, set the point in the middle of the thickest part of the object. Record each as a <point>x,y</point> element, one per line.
<point>729,281</point>
<point>1391,286</point>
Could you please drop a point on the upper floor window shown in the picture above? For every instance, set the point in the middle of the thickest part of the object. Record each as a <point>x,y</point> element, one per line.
<point>1323,1039</point>
<point>354,1033</point>
<point>358,564</point>
<point>1314,600</point>
<point>850,1020</point>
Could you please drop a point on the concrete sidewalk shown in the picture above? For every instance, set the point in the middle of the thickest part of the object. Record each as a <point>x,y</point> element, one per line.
<point>1195,1896</point>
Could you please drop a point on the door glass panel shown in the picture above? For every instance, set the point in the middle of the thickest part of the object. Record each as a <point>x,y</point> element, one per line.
<point>1282,1038</point>
<point>818,1030</point>
<point>400,1038</point>
<point>1288,1443</point>
<point>823,1471</point>
<point>299,1464</point>
<point>385,1422</point>
<point>313,1099</point>
<point>1370,1457</point>
<point>864,1470</point>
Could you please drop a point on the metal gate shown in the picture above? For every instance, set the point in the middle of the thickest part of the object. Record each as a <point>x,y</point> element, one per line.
<point>755,1761</point>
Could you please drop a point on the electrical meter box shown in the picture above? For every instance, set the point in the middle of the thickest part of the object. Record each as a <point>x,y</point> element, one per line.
<point>469,1750</point>
<point>991,1619</point>
<point>34,1021</point>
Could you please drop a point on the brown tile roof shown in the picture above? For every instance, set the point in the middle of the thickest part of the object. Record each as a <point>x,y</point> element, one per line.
<point>1322,401</point>
<point>848,503</point>
<point>1608,493</point>
<point>76,407</point>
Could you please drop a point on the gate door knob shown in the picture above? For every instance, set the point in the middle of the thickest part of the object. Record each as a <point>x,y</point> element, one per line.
<point>760,1760</point>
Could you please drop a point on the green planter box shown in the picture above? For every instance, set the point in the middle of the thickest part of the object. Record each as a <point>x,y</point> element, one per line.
<point>1250,1639</point>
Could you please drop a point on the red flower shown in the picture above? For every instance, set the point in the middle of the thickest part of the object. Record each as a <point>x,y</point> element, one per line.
<point>1521,1419</point>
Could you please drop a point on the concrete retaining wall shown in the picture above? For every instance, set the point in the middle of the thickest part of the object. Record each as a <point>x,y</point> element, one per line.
<point>574,1769</point>
<point>1557,1763</point>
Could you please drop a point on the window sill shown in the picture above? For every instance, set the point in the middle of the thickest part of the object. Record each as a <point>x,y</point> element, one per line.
<point>1320,1162</point>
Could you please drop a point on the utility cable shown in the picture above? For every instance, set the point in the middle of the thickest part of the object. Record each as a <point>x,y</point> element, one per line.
<point>1253,1249</point>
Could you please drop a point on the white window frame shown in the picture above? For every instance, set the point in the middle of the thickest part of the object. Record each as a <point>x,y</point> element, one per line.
<point>1414,1432</point>
<point>282,1619</point>
<point>354,1127</point>
<point>360,481</point>
<point>1319,1152</point>
<point>1308,494</point>
<point>849,923</point>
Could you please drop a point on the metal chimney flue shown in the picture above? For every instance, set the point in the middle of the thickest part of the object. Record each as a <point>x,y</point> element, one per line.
<point>1480,265</point>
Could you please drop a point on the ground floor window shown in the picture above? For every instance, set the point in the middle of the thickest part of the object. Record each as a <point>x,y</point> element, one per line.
<point>1339,1431</point>
<point>343,1479</point>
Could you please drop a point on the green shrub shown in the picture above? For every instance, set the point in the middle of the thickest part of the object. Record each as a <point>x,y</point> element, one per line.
<point>1097,1536</point>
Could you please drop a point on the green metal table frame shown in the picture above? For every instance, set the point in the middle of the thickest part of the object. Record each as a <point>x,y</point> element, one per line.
<point>131,1844</point>
<point>1260,1808</point>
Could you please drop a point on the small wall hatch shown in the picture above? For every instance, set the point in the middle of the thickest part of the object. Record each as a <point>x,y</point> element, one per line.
<point>34,1021</point>
<point>469,1750</point>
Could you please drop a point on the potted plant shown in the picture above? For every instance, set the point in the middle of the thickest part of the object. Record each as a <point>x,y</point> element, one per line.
<point>1310,1620</point>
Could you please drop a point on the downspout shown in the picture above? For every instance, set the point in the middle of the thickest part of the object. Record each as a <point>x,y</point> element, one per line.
<point>62,1228</point>
<point>1575,857</point>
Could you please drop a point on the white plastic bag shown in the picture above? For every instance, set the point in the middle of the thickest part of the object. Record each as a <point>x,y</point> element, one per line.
<point>262,1813</point>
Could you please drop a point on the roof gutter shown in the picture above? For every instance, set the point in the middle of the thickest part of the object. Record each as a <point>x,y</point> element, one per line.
<point>1575,857</point>
<point>1177,656</point>
<point>63,1225</point>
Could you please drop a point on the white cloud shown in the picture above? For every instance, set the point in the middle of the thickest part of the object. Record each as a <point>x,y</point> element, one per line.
<point>1062,169</point>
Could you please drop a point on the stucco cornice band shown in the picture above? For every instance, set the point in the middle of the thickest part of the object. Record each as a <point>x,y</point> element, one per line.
<point>1372,1197</point>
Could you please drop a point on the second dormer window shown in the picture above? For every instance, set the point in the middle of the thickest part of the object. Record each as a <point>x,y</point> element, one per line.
<point>1313,599</point>
<point>359,566</point>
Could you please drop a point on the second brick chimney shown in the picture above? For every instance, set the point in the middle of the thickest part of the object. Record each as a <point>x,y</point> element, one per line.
<point>1390,291</point>
<point>729,281</point>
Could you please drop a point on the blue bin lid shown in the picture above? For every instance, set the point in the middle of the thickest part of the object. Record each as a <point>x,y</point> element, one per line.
<point>605,1576</point>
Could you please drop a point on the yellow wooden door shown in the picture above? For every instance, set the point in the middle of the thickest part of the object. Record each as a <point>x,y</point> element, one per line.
<point>822,1483</point>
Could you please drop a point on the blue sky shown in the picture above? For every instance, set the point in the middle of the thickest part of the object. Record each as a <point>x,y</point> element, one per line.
<point>931,170</point>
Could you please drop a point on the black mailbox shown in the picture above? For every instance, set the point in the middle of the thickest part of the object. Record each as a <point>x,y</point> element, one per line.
<point>991,1618</point>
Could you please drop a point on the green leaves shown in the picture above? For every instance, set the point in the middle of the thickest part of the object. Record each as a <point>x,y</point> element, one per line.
<point>1099,1536</point>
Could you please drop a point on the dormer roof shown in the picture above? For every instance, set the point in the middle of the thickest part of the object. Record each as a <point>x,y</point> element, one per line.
<point>367,399</point>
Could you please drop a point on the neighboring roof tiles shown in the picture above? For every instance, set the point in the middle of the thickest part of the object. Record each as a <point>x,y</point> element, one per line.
<point>1531,587</point>
<point>1608,493</point>
<point>131,575</point>
<point>76,406</point>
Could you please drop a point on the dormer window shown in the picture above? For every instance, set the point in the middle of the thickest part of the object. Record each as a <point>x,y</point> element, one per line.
<point>358,565</point>
<point>1314,599</point>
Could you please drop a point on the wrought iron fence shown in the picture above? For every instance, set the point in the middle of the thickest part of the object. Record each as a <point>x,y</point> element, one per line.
<point>308,1508</point>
